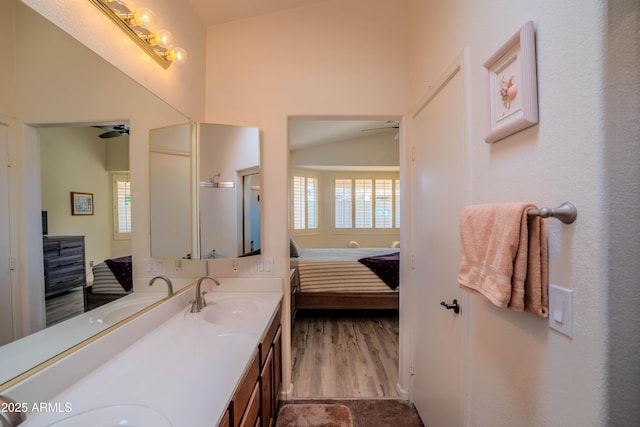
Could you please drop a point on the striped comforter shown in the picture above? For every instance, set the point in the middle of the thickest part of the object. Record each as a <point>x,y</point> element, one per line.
<point>338,270</point>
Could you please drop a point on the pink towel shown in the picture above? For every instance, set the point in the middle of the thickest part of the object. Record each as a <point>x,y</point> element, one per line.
<point>503,256</point>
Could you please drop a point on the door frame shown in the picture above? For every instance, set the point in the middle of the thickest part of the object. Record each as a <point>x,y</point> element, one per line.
<point>14,278</point>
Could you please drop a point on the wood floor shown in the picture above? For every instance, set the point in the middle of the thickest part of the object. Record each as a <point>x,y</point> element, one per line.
<point>345,354</point>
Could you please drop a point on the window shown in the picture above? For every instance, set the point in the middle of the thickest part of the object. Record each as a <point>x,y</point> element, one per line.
<point>375,203</point>
<point>305,202</point>
<point>121,207</point>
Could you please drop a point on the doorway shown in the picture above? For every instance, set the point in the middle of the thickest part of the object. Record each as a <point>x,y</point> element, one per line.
<point>344,196</point>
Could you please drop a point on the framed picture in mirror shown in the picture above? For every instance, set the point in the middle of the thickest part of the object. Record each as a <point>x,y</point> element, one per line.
<point>81,203</point>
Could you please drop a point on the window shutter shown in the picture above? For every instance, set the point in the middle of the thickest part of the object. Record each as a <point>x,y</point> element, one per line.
<point>384,203</point>
<point>343,203</point>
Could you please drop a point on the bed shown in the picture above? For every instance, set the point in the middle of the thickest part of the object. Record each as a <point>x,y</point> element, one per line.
<point>112,279</point>
<point>337,278</point>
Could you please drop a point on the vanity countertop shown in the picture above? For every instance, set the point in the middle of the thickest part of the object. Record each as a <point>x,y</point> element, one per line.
<point>186,368</point>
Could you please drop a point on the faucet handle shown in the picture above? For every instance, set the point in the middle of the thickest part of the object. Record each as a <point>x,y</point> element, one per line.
<point>194,306</point>
<point>203,301</point>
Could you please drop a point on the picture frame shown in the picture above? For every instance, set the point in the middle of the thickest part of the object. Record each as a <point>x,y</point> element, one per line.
<point>512,86</point>
<point>81,203</point>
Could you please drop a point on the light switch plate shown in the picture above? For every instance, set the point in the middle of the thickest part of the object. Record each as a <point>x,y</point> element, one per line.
<point>561,310</point>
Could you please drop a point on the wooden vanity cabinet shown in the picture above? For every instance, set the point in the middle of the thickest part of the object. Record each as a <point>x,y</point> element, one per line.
<point>255,401</point>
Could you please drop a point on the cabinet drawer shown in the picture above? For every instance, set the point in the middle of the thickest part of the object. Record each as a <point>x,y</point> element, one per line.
<point>71,247</point>
<point>64,264</point>
<point>63,283</point>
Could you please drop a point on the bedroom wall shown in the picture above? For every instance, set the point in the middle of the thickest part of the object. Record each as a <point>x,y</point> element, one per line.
<point>327,236</point>
<point>74,159</point>
<point>520,372</point>
<point>377,150</point>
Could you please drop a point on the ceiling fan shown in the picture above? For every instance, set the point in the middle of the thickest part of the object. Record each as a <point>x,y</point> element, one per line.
<point>393,124</point>
<point>113,131</point>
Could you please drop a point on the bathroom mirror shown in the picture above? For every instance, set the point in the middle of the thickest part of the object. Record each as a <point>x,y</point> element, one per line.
<point>229,190</point>
<point>61,82</point>
<point>170,195</point>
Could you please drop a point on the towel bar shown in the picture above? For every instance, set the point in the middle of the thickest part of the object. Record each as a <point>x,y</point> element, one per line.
<point>566,212</point>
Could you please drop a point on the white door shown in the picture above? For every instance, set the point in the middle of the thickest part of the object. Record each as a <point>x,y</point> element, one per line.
<point>440,191</point>
<point>6,291</point>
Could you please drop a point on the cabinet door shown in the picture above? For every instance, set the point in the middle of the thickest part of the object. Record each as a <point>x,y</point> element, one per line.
<point>277,370</point>
<point>253,409</point>
<point>266,390</point>
<point>226,420</point>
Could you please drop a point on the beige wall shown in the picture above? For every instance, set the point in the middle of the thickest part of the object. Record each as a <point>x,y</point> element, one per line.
<point>330,59</point>
<point>520,372</point>
<point>179,85</point>
<point>7,71</point>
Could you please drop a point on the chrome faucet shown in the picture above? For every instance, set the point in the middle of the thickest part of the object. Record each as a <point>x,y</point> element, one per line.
<point>200,302</point>
<point>11,413</point>
<point>167,280</point>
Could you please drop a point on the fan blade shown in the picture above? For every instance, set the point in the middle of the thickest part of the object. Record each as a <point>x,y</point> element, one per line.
<point>111,134</point>
<point>388,127</point>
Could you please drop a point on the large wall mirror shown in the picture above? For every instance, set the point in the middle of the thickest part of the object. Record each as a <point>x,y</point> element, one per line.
<point>64,87</point>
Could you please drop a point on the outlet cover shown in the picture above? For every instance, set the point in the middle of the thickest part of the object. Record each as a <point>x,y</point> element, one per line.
<point>561,310</point>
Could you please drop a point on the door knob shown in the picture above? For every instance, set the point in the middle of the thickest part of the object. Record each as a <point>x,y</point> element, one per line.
<point>453,306</point>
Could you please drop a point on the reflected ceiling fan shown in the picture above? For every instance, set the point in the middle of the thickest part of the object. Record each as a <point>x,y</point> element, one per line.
<point>113,131</point>
<point>392,124</point>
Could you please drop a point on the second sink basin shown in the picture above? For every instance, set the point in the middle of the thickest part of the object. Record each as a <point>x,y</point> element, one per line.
<point>120,309</point>
<point>230,310</point>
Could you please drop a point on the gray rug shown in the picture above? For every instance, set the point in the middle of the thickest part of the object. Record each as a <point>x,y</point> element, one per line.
<point>314,415</point>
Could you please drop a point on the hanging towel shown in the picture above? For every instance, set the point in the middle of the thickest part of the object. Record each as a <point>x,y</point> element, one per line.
<point>503,256</point>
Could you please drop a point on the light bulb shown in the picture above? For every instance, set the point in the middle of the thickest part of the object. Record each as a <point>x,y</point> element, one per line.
<point>178,55</point>
<point>143,18</point>
<point>165,39</point>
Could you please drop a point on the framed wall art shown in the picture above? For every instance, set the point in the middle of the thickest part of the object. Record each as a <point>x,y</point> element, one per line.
<point>512,86</point>
<point>81,203</point>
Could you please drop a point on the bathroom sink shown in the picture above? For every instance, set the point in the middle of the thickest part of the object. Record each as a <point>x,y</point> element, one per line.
<point>119,310</point>
<point>230,310</point>
<point>115,416</point>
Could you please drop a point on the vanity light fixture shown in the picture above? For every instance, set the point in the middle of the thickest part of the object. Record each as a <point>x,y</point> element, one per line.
<point>140,26</point>
<point>214,182</point>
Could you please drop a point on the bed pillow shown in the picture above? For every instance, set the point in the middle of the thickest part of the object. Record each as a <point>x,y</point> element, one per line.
<point>294,249</point>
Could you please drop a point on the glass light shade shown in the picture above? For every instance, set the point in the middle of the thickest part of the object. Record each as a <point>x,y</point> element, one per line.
<point>143,18</point>
<point>178,55</point>
<point>165,38</point>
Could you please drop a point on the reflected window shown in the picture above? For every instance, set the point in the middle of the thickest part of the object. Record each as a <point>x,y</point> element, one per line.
<point>122,206</point>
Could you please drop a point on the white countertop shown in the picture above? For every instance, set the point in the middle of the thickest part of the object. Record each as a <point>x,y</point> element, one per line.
<point>186,368</point>
<point>23,354</point>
